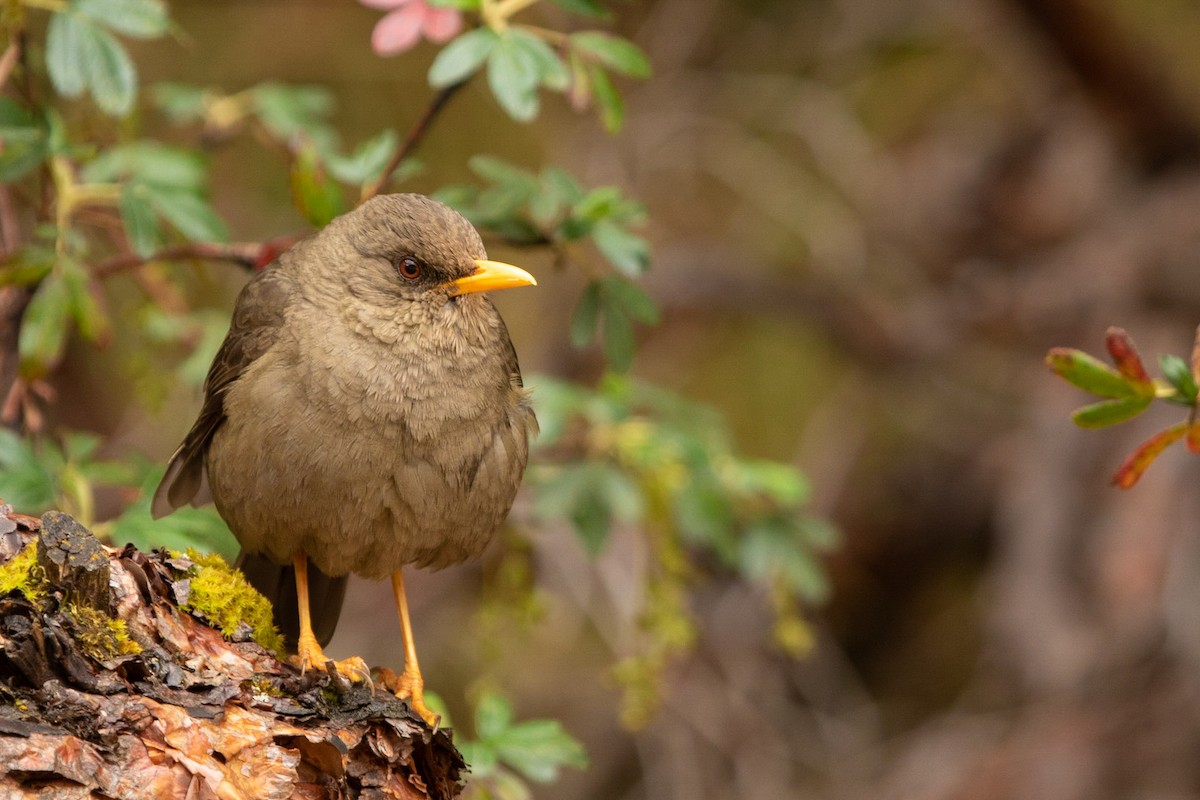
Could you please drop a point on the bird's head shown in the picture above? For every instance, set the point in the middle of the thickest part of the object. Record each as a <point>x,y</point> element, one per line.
<point>410,247</point>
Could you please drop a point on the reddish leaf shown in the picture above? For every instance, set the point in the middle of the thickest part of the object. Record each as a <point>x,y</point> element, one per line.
<point>1193,437</point>
<point>1141,458</point>
<point>1125,356</point>
<point>1196,356</point>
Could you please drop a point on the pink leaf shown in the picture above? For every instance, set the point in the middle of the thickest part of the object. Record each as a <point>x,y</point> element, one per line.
<point>383,5</point>
<point>442,24</point>
<point>399,30</point>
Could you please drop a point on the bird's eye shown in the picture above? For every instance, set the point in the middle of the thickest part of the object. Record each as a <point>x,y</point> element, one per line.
<point>409,268</point>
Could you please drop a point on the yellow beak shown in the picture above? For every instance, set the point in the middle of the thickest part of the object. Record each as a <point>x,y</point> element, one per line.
<point>493,275</point>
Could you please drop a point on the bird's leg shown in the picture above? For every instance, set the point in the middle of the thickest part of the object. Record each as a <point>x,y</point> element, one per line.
<point>308,649</point>
<point>410,685</point>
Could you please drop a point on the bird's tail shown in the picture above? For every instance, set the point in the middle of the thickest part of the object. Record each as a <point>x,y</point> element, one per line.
<point>277,582</point>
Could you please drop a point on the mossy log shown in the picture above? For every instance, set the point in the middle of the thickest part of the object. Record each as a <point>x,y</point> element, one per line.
<point>115,682</point>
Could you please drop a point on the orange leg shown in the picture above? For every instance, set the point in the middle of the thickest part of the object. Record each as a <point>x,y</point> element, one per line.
<point>308,650</point>
<point>410,685</point>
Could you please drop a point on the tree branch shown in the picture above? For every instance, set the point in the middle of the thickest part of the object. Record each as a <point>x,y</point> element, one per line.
<point>251,255</point>
<point>413,139</point>
<point>1139,101</point>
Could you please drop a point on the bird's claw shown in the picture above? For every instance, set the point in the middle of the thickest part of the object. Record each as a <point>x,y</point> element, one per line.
<point>410,686</point>
<point>353,669</point>
<point>310,656</point>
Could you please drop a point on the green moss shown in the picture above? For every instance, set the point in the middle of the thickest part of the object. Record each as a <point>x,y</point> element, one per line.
<point>100,636</point>
<point>226,599</point>
<point>22,574</point>
<point>261,686</point>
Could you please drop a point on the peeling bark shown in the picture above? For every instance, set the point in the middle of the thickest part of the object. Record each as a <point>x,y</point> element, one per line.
<point>192,714</point>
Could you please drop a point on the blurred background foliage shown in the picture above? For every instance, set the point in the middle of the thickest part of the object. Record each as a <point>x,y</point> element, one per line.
<point>866,220</point>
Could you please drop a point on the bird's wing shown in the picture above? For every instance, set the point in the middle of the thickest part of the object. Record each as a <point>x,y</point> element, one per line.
<point>510,356</point>
<point>257,320</point>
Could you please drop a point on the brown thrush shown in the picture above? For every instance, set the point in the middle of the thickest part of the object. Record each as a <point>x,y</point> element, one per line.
<point>364,412</point>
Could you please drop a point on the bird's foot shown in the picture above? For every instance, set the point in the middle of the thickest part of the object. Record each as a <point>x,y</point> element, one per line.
<point>309,655</point>
<point>410,686</point>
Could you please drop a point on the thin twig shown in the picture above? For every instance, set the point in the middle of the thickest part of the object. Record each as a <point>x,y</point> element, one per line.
<point>412,140</point>
<point>248,254</point>
<point>10,229</point>
<point>8,61</point>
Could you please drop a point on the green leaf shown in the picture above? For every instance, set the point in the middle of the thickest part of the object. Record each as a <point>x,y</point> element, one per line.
<point>628,252</point>
<point>26,266</point>
<point>549,66</point>
<point>782,483</point>
<point>589,494</point>
<point>608,100</point>
<point>85,308</point>
<point>513,77</point>
<point>557,402</point>
<point>592,519</point>
<point>462,57</point>
<point>1179,374</point>
<point>461,5</point>
<point>589,8</point>
<point>367,161</point>
<point>631,299</point>
<point>109,72</point>
<point>140,19</point>
<point>556,191</point>
<point>22,140</point>
<point>771,549</point>
<point>188,213</point>
<point>64,54</point>
<point>180,101</point>
<point>150,163</point>
<point>539,748</point>
<point>480,757</point>
<point>27,476</point>
<point>141,226</point>
<point>1089,373</point>
<point>1110,412</point>
<point>316,197</point>
<point>598,203</point>
<point>288,111</point>
<point>499,171</point>
<point>460,198</point>
<point>44,327</point>
<point>620,55</point>
<point>213,327</point>
<point>705,515</point>
<point>587,313</point>
<point>493,715</point>
<point>619,343</point>
<point>818,534</point>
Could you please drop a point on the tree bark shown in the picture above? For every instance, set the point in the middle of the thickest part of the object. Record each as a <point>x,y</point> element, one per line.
<point>110,689</point>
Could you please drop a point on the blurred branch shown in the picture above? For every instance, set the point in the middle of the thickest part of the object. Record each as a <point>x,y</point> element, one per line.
<point>13,302</point>
<point>251,255</point>
<point>415,135</point>
<point>8,61</point>
<point>1120,79</point>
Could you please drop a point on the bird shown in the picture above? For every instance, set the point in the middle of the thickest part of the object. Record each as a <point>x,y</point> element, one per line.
<point>365,413</point>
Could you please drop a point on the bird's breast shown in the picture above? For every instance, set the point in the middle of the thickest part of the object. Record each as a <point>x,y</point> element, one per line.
<point>370,453</point>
